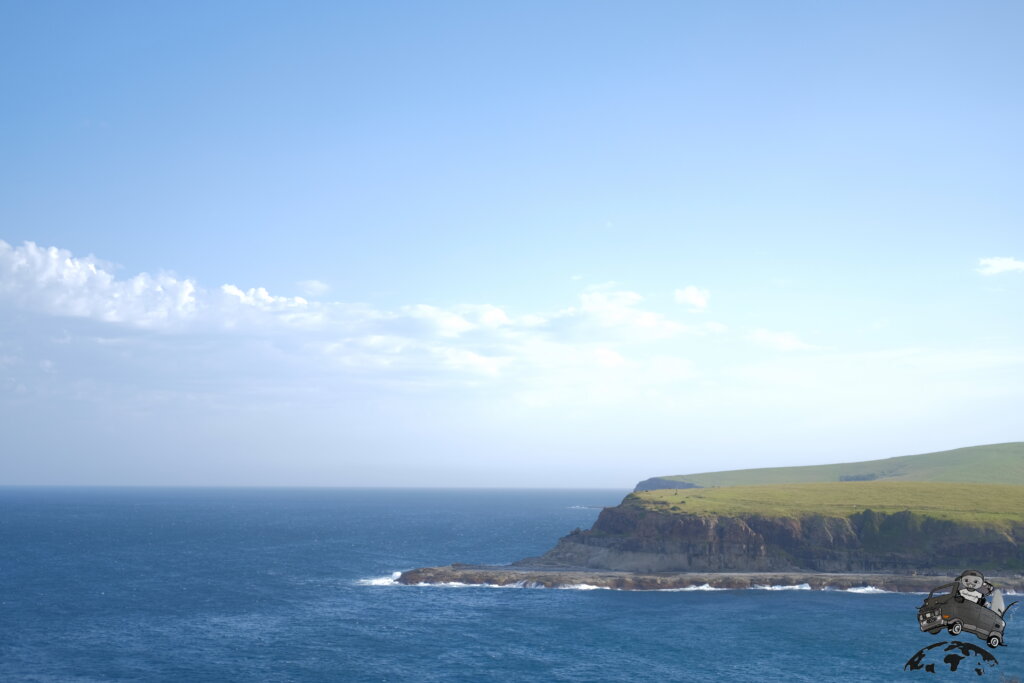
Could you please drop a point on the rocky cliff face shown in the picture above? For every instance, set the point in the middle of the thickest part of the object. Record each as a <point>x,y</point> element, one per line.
<point>632,538</point>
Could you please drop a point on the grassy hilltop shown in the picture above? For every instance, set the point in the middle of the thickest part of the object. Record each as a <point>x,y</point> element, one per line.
<point>928,513</point>
<point>993,464</point>
<point>991,505</point>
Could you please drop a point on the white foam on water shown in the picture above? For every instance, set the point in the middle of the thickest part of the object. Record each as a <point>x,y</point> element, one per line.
<point>454,584</point>
<point>392,580</point>
<point>533,585</point>
<point>381,581</point>
<point>460,584</point>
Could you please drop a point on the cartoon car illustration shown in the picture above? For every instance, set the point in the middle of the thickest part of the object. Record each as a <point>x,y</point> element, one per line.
<point>946,607</point>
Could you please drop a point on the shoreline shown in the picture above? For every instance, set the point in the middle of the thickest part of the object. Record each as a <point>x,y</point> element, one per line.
<point>568,577</point>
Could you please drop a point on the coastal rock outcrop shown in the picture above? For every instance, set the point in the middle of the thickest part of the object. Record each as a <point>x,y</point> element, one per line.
<point>526,577</point>
<point>637,539</point>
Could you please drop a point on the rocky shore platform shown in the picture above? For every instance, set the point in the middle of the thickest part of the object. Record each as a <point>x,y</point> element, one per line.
<point>547,577</point>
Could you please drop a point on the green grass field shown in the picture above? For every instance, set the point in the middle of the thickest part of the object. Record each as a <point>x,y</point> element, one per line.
<point>994,464</point>
<point>997,505</point>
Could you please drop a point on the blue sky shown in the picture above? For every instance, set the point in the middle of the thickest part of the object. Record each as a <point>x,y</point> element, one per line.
<point>504,244</point>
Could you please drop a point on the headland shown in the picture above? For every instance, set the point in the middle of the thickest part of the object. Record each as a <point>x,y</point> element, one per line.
<point>901,524</point>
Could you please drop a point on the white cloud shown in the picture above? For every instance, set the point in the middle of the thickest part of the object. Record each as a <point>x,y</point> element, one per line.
<point>999,264</point>
<point>445,323</point>
<point>568,351</point>
<point>694,297</point>
<point>258,297</point>
<point>485,315</point>
<point>780,341</point>
<point>313,287</point>
<point>620,309</point>
<point>53,281</point>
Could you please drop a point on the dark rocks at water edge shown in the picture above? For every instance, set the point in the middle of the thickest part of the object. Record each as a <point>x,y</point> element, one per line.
<point>568,578</point>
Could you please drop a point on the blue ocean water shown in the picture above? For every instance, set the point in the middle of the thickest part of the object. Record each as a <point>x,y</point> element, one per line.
<point>293,585</point>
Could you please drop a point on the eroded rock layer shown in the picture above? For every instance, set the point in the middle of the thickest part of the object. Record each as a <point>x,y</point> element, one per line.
<point>635,539</point>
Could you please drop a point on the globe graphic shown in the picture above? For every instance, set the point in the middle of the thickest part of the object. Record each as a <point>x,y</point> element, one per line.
<point>954,657</point>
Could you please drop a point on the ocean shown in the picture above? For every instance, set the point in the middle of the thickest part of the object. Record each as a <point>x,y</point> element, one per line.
<point>136,584</point>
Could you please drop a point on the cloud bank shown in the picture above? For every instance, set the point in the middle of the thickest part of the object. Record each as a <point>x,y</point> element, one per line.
<point>999,264</point>
<point>606,330</point>
<point>184,371</point>
<point>51,280</point>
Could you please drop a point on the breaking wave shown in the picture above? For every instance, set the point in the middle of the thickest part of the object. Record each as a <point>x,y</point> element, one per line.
<point>392,580</point>
<point>381,581</point>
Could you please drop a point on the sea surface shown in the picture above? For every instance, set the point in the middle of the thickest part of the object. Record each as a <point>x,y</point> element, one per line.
<point>296,585</point>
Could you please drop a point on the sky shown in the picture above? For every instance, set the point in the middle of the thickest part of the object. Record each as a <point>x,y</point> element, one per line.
<point>522,244</point>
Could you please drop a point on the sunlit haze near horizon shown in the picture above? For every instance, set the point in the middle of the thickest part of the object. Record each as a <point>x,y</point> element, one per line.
<point>553,244</point>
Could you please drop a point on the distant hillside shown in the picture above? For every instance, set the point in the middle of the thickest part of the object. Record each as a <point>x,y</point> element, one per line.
<point>993,464</point>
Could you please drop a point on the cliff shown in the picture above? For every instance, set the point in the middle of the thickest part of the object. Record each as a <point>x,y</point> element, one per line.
<point>654,532</point>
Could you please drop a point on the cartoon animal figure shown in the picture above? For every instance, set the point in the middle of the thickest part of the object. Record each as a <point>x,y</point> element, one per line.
<point>972,583</point>
<point>960,606</point>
